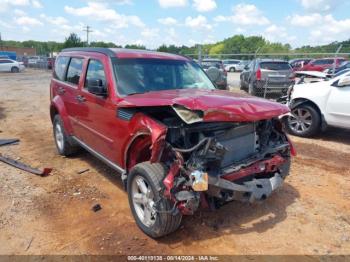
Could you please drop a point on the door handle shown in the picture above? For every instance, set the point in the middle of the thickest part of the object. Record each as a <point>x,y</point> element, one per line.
<point>61,90</point>
<point>80,98</point>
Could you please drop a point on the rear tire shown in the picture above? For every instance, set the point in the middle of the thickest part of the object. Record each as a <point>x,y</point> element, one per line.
<point>232,69</point>
<point>241,85</point>
<point>144,186</point>
<point>305,121</point>
<point>64,145</point>
<point>14,69</point>
<point>252,89</point>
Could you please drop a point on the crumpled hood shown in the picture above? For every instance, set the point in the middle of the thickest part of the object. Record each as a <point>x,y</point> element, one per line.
<point>216,105</point>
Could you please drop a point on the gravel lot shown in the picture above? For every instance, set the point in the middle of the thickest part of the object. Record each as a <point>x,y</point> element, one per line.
<point>52,215</point>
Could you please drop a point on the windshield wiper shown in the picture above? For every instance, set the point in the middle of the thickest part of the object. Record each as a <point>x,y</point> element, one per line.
<point>138,93</point>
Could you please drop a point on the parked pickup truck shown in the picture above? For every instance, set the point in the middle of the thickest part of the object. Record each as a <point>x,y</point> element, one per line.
<point>179,143</point>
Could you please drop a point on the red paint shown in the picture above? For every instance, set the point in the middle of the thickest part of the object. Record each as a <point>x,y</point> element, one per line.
<point>322,64</point>
<point>95,120</point>
<point>129,53</point>
<point>218,105</point>
<point>268,166</point>
<point>293,151</point>
<point>173,172</point>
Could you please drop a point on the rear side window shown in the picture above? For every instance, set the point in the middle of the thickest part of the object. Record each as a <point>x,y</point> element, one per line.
<point>6,61</point>
<point>95,71</point>
<point>323,62</point>
<point>74,70</point>
<point>60,67</point>
<point>275,66</point>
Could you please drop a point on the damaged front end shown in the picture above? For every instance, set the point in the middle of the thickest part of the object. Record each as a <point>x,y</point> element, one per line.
<point>212,163</point>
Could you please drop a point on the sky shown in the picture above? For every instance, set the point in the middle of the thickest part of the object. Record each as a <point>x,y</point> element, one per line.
<point>179,22</point>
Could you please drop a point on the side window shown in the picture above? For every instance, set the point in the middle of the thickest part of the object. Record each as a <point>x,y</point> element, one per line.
<point>95,71</point>
<point>60,67</point>
<point>74,70</point>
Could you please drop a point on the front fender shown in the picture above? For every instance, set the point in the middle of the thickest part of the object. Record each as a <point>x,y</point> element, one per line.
<point>57,107</point>
<point>144,126</point>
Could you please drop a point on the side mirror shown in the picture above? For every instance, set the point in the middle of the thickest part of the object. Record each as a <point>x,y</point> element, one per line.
<point>95,86</point>
<point>246,67</point>
<point>345,81</point>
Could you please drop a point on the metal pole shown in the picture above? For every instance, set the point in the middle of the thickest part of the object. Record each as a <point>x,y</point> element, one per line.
<point>335,56</point>
<point>256,52</point>
<point>87,30</point>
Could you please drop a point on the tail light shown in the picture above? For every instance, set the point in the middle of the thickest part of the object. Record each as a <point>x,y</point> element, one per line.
<point>258,74</point>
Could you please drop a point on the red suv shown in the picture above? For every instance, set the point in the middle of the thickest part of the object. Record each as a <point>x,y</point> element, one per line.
<point>322,64</point>
<point>178,143</point>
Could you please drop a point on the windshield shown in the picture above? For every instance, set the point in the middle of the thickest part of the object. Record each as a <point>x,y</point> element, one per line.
<point>135,76</point>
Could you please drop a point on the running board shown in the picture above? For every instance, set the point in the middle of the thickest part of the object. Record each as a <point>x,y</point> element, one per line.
<point>101,157</point>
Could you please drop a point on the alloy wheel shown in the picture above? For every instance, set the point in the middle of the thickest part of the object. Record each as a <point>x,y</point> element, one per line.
<point>300,120</point>
<point>143,201</point>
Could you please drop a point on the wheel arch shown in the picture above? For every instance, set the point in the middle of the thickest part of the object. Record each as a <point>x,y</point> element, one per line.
<point>300,101</point>
<point>139,150</point>
<point>57,107</point>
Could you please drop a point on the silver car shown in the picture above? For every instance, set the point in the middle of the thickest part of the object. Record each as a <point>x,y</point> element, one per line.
<point>264,76</point>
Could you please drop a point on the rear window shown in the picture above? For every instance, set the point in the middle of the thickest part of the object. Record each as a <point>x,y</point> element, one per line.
<point>60,67</point>
<point>74,70</point>
<point>275,66</point>
<point>208,64</point>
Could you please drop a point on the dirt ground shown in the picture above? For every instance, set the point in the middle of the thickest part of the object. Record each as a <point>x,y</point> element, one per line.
<point>310,214</point>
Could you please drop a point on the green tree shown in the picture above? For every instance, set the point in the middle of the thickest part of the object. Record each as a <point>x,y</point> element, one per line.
<point>73,40</point>
<point>104,44</point>
<point>133,46</point>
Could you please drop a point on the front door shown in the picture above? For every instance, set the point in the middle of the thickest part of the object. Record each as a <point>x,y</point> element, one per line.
<point>338,106</point>
<point>97,120</point>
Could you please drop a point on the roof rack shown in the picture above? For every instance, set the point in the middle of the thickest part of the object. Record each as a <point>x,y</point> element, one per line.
<point>105,51</point>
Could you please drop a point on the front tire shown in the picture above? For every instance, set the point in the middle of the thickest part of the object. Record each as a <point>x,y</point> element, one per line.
<point>305,121</point>
<point>14,69</point>
<point>64,145</point>
<point>232,69</point>
<point>151,211</point>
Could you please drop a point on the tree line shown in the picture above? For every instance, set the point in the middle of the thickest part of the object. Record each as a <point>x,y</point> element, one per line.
<point>237,44</point>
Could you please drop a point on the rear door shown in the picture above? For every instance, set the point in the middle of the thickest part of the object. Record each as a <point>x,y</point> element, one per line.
<point>6,65</point>
<point>3,66</point>
<point>66,84</point>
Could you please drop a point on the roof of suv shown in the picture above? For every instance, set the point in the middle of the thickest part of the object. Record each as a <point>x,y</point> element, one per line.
<point>128,53</point>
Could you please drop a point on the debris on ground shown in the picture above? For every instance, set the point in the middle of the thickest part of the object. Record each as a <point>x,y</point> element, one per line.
<point>96,208</point>
<point>4,142</point>
<point>30,243</point>
<point>83,171</point>
<point>24,167</point>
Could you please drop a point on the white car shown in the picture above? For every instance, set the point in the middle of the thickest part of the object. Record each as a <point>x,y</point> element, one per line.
<point>9,65</point>
<point>314,106</point>
<point>33,60</point>
<point>230,65</point>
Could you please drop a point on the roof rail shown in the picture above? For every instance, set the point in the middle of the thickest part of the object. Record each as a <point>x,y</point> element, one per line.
<point>105,51</point>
